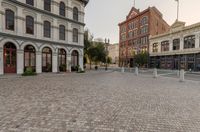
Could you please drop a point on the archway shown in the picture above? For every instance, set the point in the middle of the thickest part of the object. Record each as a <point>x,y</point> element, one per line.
<point>46,59</point>
<point>10,58</point>
<point>75,60</point>
<point>29,57</point>
<point>62,60</point>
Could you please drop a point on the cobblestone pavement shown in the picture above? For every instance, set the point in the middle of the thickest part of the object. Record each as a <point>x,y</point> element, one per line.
<point>98,102</point>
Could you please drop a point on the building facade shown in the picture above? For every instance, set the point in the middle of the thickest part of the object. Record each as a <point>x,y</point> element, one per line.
<point>46,35</point>
<point>113,52</point>
<point>177,49</point>
<point>134,33</point>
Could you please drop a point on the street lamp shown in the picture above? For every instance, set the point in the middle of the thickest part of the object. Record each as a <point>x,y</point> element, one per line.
<point>107,41</point>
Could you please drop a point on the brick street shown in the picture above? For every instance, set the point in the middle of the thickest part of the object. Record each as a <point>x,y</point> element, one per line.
<point>98,102</point>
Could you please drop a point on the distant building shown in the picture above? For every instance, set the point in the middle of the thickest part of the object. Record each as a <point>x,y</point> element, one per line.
<point>113,52</point>
<point>134,33</point>
<point>177,49</point>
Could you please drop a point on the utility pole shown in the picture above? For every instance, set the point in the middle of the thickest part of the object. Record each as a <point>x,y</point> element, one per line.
<point>177,9</point>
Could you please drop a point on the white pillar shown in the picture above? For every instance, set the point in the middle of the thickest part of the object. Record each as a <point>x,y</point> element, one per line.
<point>155,73</point>
<point>55,63</point>
<point>38,62</point>
<point>1,61</point>
<point>181,43</point>
<point>122,70</point>
<point>182,76</point>
<point>81,61</point>
<point>69,62</point>
<point>197,41</point>
<point>20,61</point>
<point>136,71</point>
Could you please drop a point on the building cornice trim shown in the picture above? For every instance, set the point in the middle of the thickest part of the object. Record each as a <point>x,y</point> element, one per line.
<point>38,40</point>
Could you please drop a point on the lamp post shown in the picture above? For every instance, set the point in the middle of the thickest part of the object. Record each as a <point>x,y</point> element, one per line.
<point>107,41</point>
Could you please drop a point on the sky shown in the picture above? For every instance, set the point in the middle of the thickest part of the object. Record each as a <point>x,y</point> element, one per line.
<point>103,16</point>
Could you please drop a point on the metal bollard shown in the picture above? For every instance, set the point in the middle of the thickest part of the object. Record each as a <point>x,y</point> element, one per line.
<point>122,70</point>
<point>155,73</point>
<point>182,76</point>
<point>136,71</point>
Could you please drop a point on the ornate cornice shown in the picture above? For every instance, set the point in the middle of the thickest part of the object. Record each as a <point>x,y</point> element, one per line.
<point>38,40</point>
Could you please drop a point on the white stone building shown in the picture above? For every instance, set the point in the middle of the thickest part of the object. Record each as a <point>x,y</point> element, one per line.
<point>177,49</point>
<point>46,35</point>
<point>113,52</point>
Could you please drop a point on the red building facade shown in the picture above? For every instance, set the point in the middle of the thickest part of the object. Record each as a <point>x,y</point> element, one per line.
<point>134,33</point>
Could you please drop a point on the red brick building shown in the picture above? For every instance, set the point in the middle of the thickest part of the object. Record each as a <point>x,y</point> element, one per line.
<point>134,33</point>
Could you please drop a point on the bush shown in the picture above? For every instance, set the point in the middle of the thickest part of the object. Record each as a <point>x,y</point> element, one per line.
<point>62,67</point>
<point>29,72</point>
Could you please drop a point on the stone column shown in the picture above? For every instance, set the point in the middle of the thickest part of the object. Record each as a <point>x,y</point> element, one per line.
<point>69,62</point>
<point>181,43</point>
<point>38,62</point>
<point>20,61</point>
<point>155,73</point>
<point>81,61</point>
<point>1,62</point>
<point>55,63</point>
<point>197,41</point>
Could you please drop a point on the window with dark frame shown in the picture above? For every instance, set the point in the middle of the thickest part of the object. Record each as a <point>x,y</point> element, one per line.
<point>30,2</point>
<point>62,32</point>
<point>176,44</point>
<point>10,19</point>
<point>29,57</point>
<point>47,5</point>
<point>75,13</point>
<point>62,9</point>
<point>47,29</point>
<point>75,35</point>
<point>155,47</point>
<point>189,42</point>
<point>165,46</point>
<point>29,25</point>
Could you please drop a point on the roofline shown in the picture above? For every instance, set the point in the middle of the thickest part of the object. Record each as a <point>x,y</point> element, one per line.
<point>85,2</point>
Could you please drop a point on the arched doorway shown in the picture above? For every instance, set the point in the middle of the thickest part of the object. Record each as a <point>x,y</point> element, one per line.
<point>10,58</point>
<point>75,60</point>
<point>62,60</point>
<point>46,60</point>
<point>29,57</point>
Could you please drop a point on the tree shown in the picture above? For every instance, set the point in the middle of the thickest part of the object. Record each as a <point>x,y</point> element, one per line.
<point>141,59</point>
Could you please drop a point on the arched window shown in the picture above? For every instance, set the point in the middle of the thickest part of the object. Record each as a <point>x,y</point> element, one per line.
<point>29,25</point>
<point>75,60</point>
<point>75,13</point>
<point>62,60</point>
<point>30,2</point>
<point>47,5</point>
<point>29,57</point>
<point>10,58</point>
<point>62,32</point>
<point>62,9</point>
<point>75,35</point>
<point>47,29</point>
<point>144,20</point>
<point>10,20</point>
<point>46,59</point>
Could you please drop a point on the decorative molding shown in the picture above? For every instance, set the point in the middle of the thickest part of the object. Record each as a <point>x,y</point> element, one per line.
<point>34,40</point>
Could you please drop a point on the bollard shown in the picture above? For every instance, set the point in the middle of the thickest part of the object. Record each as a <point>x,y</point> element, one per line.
<point>155,73</point>
<point>122,70</point>
<point>136,71</point>
<point>178,73</point>
<point>182,76</point>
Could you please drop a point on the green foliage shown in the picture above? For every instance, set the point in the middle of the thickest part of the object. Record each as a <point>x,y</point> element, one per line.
<point>63,67</point>
<point>29,72</point>
<point>141,59</point>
